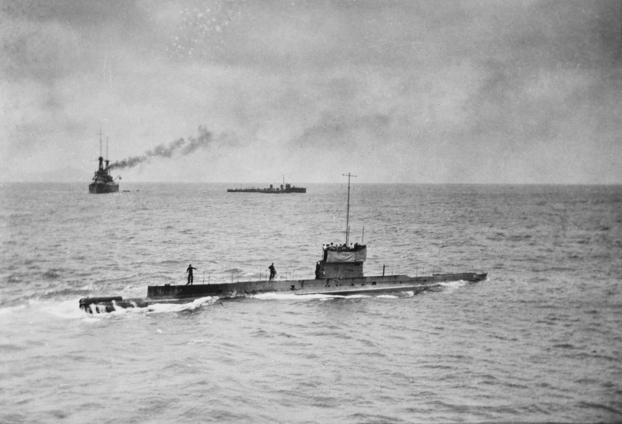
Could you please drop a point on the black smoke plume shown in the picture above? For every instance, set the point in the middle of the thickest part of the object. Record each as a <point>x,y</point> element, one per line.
<point>180,146</point>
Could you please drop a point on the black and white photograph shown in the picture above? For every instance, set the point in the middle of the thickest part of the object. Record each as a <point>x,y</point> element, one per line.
<point>310,211</point>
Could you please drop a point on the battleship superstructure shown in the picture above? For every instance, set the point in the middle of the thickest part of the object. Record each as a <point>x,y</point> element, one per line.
<point>102,180</point>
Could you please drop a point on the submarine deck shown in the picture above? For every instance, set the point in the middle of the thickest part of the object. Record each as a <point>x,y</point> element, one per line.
<point>327,286</point>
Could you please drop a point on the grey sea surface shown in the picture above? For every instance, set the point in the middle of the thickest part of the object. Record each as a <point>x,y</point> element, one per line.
<point>539,341</point>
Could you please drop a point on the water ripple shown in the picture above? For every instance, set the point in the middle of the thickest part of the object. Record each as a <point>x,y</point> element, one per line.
<point>538,341</point>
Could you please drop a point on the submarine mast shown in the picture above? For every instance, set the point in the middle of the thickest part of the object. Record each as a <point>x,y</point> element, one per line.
<point>348,208</point>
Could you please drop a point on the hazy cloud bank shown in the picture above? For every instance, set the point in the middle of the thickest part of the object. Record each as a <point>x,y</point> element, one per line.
<point>424,91</point>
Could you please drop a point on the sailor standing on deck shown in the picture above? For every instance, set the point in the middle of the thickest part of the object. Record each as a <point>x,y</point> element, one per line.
<point>190,276</point>
<point>272,271</point>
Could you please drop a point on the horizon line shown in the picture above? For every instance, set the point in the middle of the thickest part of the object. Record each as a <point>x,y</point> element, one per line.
<point>322,183</point>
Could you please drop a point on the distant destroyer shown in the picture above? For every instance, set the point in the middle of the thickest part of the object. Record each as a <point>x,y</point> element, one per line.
<point>338,273</point>
<point>282,189</point>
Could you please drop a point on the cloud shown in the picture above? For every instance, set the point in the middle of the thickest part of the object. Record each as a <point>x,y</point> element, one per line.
<point>380,85</point>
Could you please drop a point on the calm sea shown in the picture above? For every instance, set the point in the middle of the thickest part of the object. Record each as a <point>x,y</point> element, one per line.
<point>539,341</point>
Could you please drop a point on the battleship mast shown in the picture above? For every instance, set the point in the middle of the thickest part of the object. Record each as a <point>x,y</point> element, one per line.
<point>107,160</point>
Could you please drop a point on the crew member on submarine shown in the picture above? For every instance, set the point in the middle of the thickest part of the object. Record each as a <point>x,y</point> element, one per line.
<point>190,276</point>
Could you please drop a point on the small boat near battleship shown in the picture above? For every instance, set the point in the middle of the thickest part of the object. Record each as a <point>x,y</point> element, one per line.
<point>102,181</point>
<point>338,273</point>
<point>282,189</point>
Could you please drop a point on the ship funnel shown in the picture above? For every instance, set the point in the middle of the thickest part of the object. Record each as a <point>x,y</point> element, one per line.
<point>101,163</point>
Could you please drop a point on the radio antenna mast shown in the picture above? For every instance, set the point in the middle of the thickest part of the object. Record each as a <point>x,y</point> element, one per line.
<point>349,175</point>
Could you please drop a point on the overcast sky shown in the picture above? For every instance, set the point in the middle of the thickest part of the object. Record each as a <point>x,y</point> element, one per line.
<point>394,91</point>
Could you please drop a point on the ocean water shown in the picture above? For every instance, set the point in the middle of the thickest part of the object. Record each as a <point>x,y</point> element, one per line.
<point>539,341</point>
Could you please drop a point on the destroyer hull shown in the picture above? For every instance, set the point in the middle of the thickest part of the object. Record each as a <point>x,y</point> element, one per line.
<point>267,190</point>
<point>327,286</point>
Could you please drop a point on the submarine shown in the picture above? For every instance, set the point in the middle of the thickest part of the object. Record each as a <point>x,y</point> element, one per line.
<point>339,272</point>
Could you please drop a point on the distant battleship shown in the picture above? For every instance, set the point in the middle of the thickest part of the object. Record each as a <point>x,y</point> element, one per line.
<point>338,273</point>
<point>102,180</point>
<point>283,188</point>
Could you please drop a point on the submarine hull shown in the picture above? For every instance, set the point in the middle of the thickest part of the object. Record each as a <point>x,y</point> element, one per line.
<point>372,285</point>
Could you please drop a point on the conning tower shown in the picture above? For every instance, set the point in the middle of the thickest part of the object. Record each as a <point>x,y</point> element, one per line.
<point>342,260</point>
